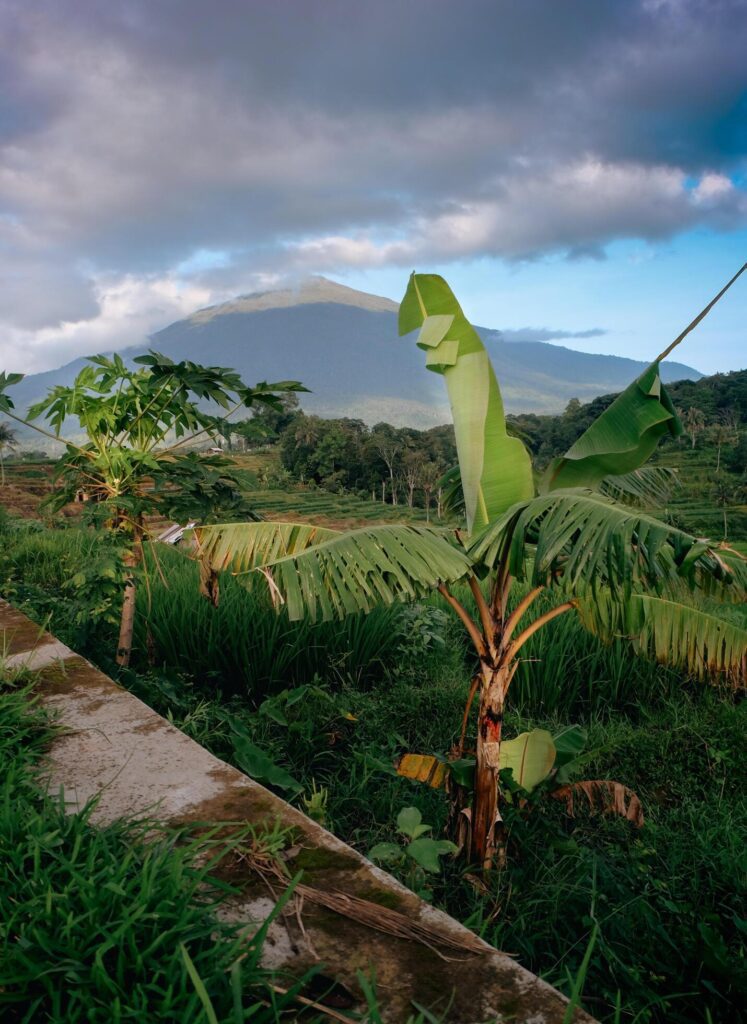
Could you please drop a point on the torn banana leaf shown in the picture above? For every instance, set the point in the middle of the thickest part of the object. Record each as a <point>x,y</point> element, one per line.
<point>496,470</point>
<point>705,641</point>
<point>621,439</point>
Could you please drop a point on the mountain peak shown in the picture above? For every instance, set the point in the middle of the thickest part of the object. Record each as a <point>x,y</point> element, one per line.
<point>310,290</point>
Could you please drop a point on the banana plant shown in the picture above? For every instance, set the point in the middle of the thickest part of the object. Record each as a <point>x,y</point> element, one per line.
<point>600,556</point>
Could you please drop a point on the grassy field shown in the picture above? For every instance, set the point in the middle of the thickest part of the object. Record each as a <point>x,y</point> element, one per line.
<point>322,712</point>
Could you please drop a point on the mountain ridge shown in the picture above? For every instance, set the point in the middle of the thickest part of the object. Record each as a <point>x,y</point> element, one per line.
<point>343,344</point>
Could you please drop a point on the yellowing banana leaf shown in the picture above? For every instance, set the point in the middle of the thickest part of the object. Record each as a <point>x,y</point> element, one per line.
<point>621,439</point>
<point>675,629</point>
<point>423,768</point>
<point>496,470</point>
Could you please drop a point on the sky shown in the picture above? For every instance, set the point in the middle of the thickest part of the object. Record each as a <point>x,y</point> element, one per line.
<point>576,170</point>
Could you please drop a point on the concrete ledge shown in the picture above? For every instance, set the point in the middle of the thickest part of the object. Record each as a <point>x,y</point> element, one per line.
<point>117,749</point>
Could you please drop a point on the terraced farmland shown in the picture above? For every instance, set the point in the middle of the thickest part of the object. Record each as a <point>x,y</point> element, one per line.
<point>694,505</point>
<point>323,507</point>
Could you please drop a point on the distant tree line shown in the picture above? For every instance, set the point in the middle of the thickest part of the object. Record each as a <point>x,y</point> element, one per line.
<point>399,466</point>
<point>404,466</point>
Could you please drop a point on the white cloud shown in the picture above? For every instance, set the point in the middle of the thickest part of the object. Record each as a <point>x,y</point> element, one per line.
<point>584,204</point>
<point>129,308</point>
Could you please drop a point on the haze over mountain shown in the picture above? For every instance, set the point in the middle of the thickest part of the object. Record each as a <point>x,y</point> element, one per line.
<point>343,345</point>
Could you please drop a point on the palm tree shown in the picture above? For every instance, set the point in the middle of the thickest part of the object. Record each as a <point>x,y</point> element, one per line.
<point>621,570</point>
<point>694,422</point>
<point>7,442</point>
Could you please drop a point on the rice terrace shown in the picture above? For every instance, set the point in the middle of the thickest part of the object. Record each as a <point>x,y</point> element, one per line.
<point>360,662</point>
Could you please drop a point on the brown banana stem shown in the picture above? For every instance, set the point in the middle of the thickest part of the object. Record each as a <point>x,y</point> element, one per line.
<point>463,614</point>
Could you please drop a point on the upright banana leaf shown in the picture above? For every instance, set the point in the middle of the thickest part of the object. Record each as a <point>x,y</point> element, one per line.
<point>495,468</point>
<point>621,439</point>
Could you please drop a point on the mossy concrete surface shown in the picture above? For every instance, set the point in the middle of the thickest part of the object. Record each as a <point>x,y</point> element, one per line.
<point>113,747</point>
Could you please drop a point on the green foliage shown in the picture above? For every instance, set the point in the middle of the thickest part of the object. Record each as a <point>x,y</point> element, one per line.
<point>127,416</point>
<point>344,455</point>
<point>244,646</point>
<point>668,899</point>
<point>255,762</point>
<point>579,537</point>
<point>72,575</point>
<point>416,854</point>
<point>323,576</point>
<point>99,924</point>
<point>621,439</point>
<point>7,380</point>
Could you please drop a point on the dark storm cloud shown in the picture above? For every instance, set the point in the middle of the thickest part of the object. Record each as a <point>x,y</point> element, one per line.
<point>313,135</point>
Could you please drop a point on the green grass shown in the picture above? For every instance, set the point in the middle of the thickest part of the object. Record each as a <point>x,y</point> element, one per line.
<point>668,901</point>
<point>243,646</point>
<point>95,921</point>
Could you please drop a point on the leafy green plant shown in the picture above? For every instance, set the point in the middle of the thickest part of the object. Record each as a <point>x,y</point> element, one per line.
<point>111,923</point>
<point>417,854</point>
<point>315,804</point>
<point>133,463</point>
<point>595,553</point>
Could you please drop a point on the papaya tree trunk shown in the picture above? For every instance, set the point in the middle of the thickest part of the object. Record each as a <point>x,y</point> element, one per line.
<point>127,622</point>
<point>488,848</point>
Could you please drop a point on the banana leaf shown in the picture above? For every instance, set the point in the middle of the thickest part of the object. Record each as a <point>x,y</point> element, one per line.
<point>626,434</point>
<point>621,439</point>
<point>496,470</point>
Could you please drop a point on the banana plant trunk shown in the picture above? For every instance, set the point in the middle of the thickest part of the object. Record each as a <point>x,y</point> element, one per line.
<point>488,839</point>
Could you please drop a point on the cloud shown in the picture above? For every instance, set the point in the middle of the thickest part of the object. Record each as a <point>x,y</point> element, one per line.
<point>127,309</point>
<point>566,208</point>
<point>150,154</point>
<point>524,334</point>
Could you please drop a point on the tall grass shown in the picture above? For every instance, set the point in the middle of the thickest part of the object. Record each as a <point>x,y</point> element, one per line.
<point>244,646</point>
<point>566,671</point>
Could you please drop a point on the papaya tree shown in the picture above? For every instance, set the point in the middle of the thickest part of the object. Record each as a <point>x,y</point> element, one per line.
<point>620,569</point>
<point>135,464</point>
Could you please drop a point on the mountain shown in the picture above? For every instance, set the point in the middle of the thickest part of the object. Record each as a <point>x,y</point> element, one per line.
<point>343,345</point>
